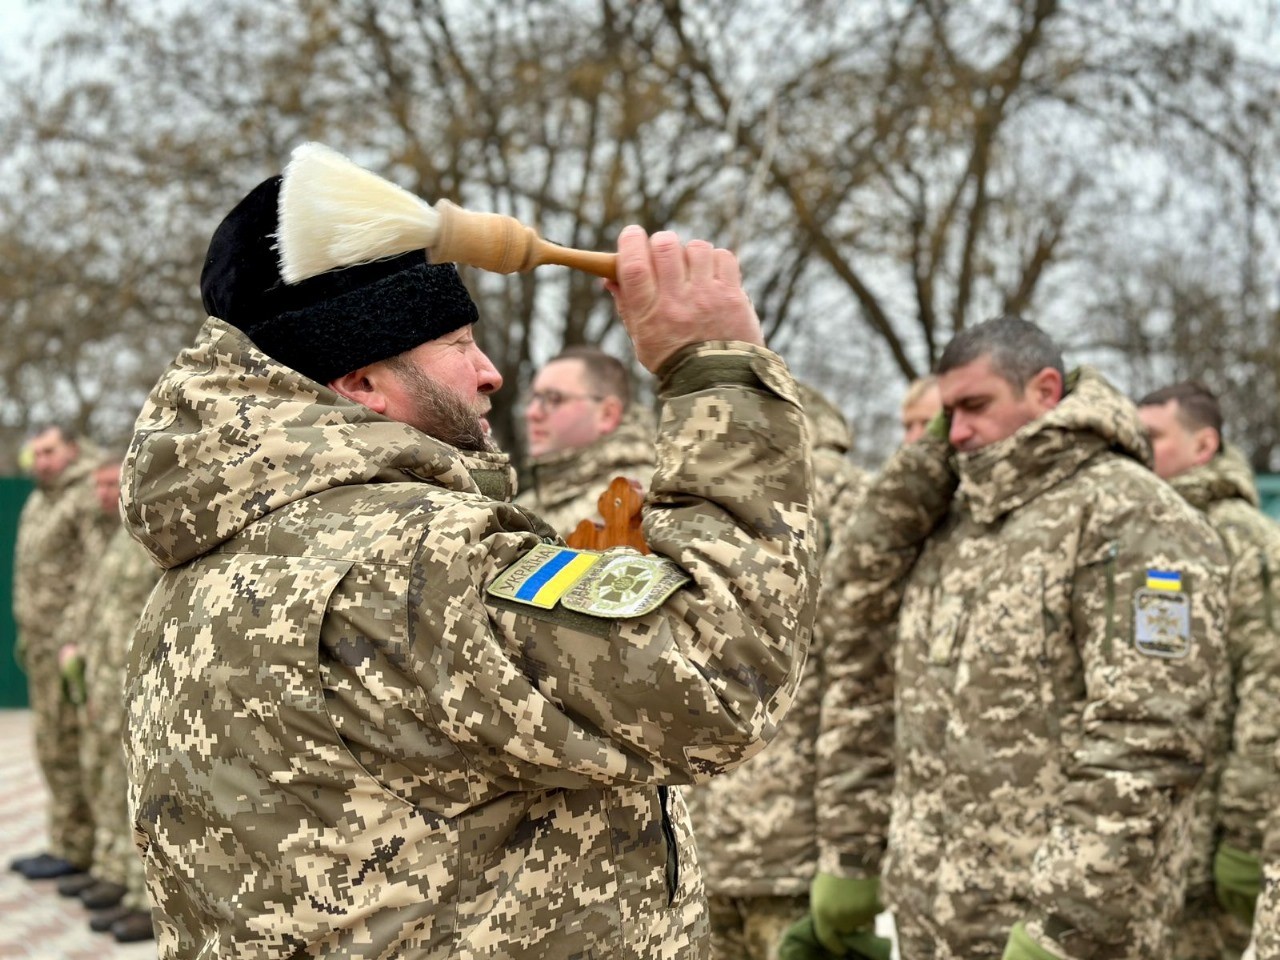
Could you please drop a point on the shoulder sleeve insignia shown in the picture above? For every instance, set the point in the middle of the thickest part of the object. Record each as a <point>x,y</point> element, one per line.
<point>616,584</point>
<point>543,575</point>
<point>1162,616</point>
<point>625,584</point>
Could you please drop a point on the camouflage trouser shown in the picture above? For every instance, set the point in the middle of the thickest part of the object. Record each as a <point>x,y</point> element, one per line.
<point>1198,935</point>
<point>96,733</point>
<point>57,731</point>
<point>916,941</point>
<point>750,928</point>
<point>115,858</point>
<point>1235,935</point>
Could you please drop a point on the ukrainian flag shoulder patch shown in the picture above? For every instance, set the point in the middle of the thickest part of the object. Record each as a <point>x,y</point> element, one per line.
<point>617,584</point>
<point>543,575</point>
<point>1169,580</point>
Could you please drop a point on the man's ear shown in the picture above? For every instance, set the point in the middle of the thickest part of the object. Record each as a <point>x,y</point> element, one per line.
<point>1205,444</point>
<point>610,414</point>
<point>364,386</point>
<point>1045,389</point>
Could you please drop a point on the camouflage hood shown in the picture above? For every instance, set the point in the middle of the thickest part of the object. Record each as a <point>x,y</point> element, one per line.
<point>1227,476</point>
<point>1093,417</point>
<point>827,425</point>
<point>562,475</point>
<point>228,435</point>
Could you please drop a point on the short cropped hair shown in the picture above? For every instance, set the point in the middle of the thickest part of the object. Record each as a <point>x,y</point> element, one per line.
<point>1017,348</point>
<point>66,433</point>
<point>1198,406</point>
<point>606,374</point>
<point>917,388</point>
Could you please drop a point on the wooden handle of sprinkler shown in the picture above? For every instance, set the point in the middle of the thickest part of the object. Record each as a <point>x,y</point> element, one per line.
<point>503,244</point>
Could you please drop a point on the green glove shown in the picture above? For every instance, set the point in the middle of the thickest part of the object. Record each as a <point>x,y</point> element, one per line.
<point>800,942</point>
<point>840,906</point>
<point>74,689</point>
<point>1022,947</point>
<point>1237,877</point>
<point>939,427</point>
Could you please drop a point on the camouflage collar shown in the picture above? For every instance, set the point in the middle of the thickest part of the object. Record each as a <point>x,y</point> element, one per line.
<point>1227,476</point>
<point>561,476</point>
<point>1092,418</point>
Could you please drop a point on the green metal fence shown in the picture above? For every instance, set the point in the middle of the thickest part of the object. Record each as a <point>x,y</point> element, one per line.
<point>13,682</point>
<point>1269,491</point>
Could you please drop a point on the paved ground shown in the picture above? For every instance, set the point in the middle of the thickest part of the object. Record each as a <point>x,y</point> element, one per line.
<point>34,921</point>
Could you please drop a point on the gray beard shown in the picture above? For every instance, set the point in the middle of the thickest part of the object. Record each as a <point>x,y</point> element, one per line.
<point>438,413</point>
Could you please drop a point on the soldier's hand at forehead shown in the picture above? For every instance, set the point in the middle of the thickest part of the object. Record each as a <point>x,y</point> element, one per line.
<point>671,295</point>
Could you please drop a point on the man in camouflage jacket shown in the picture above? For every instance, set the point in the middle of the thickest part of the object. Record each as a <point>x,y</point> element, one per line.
<point>58,533</point>
<point>1060,636</point>
<point>1184,423</point>
<point>756,827</point>
<point>127,578</point>
<point>368,716</point>
<point>584,430</point>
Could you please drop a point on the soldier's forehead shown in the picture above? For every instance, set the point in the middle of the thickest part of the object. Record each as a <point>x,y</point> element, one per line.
<point>570,371</point>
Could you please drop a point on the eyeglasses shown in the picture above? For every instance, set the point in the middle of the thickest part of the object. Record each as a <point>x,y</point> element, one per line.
<point>553,400</point>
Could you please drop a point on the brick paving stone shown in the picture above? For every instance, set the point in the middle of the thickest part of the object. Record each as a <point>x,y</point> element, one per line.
<point>34,921</point>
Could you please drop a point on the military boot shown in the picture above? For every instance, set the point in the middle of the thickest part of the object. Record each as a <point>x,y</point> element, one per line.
<point>101,921</point>
<point>101,895</point>
<point>74,883</point>
<point>45,867</point>
<point>133,927</point>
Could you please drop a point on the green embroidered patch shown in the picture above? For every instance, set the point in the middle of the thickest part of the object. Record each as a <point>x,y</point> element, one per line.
<point>624,584</point>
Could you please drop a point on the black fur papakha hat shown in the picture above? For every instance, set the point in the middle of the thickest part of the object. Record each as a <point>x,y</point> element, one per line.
<point>330,324</point>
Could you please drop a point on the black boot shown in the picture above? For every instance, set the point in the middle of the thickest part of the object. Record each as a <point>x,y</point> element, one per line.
<point>102,895</point>
<point>47,867</point>
<point>101,921</point>
<point>74,883</point>
<point>133,927</point>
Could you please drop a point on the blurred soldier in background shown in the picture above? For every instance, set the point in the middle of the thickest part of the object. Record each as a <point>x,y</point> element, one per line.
<point>113,603</point>
<point>756,826</point>
<point>1061,629</point>
<point>75,656</point>
<point>1184,423</point>
<point>920,404</point>
<point>60,523</point>
<point>583,430</point>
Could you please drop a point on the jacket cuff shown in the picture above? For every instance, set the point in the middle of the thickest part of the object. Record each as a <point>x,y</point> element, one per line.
<point>1065,941</point>
<point>723,363</point>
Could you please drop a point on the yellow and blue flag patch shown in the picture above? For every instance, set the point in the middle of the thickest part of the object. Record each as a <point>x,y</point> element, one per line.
<point>543,575</point>
<point>1169,580</point>
<point>617,584</point>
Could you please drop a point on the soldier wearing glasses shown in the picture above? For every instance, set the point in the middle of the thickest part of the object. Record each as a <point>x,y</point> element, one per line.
<point>583,430</point>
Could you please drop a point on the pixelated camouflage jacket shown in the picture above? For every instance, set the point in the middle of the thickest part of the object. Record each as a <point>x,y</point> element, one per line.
<point>1225,491</point>
<point>1266,918</point>
<point>118,596</point>
<point>341,743</point>
<point>565,485</point>
<point>756,827</point>
<point>1059,643</point>
<point>59,542</point>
